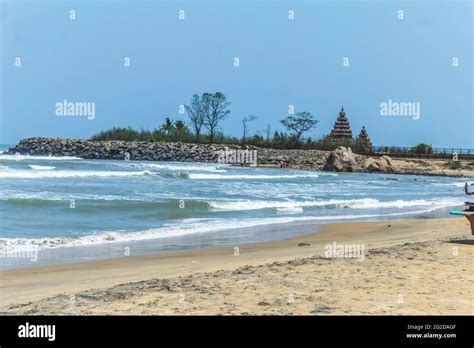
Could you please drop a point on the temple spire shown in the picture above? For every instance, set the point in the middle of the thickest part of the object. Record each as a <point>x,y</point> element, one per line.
<point>363,133</point>
<point>342,129</point>
<point>363,141</point>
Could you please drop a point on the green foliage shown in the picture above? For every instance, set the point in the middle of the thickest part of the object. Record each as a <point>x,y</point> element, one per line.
<point>168,131</point>
<point>218,111</point>
<point>450,164</point>
<point>245,122</point>
<point>206,111</point>
<point>364,146</point>
<point>197,112</point>
<point>421,149</point>
<point>299,124</point>
<point>177,131</point>
<point>124,134</point>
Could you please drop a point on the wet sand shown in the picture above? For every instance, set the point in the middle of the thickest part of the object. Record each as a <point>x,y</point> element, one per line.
<point>419,266</point>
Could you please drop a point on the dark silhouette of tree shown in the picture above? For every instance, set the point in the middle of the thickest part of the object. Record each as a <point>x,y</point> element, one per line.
<point>167,126</point>
<point>218,111</point>
<point>268,132</point>
<point>300,123</point>
<point>246,120</point>
<point>197,112</point>
<point>179,125</point>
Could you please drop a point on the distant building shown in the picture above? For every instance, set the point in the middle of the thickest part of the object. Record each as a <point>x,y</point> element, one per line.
<point>342,129</point>
<point>363,141</point>
<point>363,134</point>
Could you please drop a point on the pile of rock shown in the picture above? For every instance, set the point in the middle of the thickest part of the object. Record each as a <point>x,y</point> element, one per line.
<point>383,164</point>
<point>311,159</point>
<point>120,150</point>
<point>340,160</point>
<point>344,160</point>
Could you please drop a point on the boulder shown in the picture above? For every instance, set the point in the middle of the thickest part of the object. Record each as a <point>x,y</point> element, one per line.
<point>341,160</point>
<point>383,164</point>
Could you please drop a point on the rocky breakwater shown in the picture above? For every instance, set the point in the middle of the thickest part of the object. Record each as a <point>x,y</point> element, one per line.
<point>161,151</point>
<point>121,150</point>
<point>340,160</point>
<point>302,159</point>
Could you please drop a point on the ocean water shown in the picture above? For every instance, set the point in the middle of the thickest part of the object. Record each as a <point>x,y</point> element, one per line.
<point>70,209</point>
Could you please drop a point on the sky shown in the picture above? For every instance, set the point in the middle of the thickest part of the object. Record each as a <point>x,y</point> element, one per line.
<point>356,54</point>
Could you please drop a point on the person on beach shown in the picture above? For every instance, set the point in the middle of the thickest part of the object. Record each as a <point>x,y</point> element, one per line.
<point>466,189</point>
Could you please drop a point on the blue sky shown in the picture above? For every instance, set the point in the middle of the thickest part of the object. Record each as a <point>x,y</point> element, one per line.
<point>282,62</point>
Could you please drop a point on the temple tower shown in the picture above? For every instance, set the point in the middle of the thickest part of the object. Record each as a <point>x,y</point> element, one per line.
<point>342,129</point>
<point>363,141</point>
<point>363,134</point>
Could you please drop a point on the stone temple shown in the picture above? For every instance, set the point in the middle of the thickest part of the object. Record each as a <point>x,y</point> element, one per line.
<point>363,141</point>
<point>363,134</point>
<point>342,129</point>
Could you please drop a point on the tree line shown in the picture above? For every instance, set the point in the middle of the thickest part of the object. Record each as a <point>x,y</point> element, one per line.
<point>207,111</point>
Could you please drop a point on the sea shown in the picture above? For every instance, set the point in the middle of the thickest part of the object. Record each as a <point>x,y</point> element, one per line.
<point>67,209</point>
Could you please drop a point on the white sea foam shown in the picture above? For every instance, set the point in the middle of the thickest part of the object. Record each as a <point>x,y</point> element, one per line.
<point>290,209</point>
<point>202,176</point>
<point>26,174</point>
<point>41,167</point>
<point>171,167</point>
<point>187,227</point>
<point>366,203</point>
<point>190,226</point>
<point>37,158</point>
<point>455,184</point>
<point>52,196</point>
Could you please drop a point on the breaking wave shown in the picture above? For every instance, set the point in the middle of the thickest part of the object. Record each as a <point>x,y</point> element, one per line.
<point>366,203</point>
<point>172,167</point>
<point>200,176</point>
<point>37,158</point>
<point>187,227</point>
<point>41,167</point>
<point>24,174</point>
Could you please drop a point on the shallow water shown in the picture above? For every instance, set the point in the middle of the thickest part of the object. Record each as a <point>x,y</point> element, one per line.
<point>72,209</point>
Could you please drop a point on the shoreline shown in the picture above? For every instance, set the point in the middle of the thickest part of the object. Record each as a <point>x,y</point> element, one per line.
<point>426,241</point>
<point>81,253</point>
<point>416,173</point>
<point>212,153</point>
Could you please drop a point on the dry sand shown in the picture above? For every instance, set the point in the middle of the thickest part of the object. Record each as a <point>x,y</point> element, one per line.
<point>434,167</point>
<point>409,267</point>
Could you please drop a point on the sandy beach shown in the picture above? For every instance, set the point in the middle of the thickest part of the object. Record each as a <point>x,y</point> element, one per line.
<point>419,266</point>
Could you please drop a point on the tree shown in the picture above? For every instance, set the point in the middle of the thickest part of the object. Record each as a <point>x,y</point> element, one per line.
<point>246,120</point>
<point>421,149</point>
<point>179,125</point>
<point>299,124</point>
<point>197,112</point>
<point>173,131</point>
<point>218,111</point>
<point>268,132</point>
<point>363,145</point>
<point>167,126</point>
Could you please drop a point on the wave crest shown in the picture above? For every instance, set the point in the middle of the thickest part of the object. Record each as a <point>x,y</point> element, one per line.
<point>37,158</point>
<point>26,174</point>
